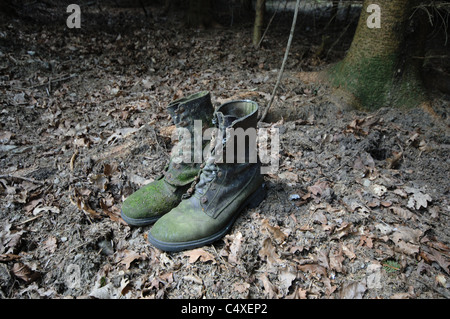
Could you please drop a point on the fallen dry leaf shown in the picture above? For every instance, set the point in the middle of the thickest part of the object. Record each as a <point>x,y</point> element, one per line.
<point>168,132</point>
<point>429,254</point>
<point>199,253</point>
<point>112,211</point>
<point>193,279</point>
<point>402,212</point>
<point>378,190</point>
<point>366,241</point>
<point>32,204</point>
<point>110,169</point>
<point>5,137</point>
<point>50,244</point>
<point>128,256</point>
<point>298,293</point>
<point>24,272</point>
<point>344,230</point>
<point>353,290</point>
<point>440,279</point>
<point>241,287</point>
<point>125,286</point>
<point>348,251</point>
<point>275,231</point>
<point>41,208</point>
<point>418,199</point>
<point>314,269</point>
<point>270,289</point>
<point>393,162</point>
<point>289,176</point>
<point>269,253</point>
<point>319,188</point>
<point>9,239</point>
<point>167,277</point>
<point>407,239</point>
<point>8,257</point>
<point>83,205</point>
<point>235,248</point>
<point>286,278</point>
<point>402,295</point>
<point>336,260</point>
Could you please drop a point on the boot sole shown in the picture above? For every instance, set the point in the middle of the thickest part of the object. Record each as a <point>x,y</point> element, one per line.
<point>252,201</point>
<point>138,221</point>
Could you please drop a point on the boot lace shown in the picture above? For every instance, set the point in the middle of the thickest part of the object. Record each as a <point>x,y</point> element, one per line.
<point>208,172</point>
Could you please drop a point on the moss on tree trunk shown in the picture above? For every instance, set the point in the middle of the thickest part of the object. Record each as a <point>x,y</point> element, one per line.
<point>377,70</point>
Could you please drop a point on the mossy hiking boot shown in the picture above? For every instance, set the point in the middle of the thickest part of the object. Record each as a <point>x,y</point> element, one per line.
<point>229,181</point>
<point>150,202</point>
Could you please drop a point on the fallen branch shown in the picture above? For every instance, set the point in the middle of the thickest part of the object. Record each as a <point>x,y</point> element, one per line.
<point>30,219</point>
<point>8,176</point>
<point>280,74</point>
<point>72,160</point>
<point>48,83</point>
<point>443,292</point>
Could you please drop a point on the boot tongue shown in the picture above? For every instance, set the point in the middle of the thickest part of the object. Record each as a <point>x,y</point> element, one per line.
<point>193,107</point>
<point>225,121</point>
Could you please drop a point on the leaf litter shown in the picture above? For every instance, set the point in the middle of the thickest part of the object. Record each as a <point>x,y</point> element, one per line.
<point>358,208</point>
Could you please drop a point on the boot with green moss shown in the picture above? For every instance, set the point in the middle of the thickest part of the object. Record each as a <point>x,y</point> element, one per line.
<point>149,203</point>
<point>229,181</point>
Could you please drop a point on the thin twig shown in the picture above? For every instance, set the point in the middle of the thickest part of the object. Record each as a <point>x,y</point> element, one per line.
<point>48,84</point>
<point>436,289</point>
<point>30,219</point>
<point>280,74</point>
<point>337,40</point>
<point>9,176</point>
<point>72,160</point>
<point>267,28</point>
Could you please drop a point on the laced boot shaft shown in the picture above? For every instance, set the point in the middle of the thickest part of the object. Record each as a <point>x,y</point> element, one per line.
<point>229,181</point>
<point>233,162</point>
<point>150,202</point>
<point>233,141</point>
<point>191,120</point>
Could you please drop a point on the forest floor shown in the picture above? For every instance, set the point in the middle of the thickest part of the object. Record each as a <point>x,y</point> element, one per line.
<point>359,207</point>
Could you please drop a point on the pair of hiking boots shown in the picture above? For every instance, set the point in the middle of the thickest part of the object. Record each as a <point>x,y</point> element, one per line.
<point>196,200</point>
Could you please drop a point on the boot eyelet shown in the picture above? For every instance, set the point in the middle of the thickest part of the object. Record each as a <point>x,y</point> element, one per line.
<point>180,109</point>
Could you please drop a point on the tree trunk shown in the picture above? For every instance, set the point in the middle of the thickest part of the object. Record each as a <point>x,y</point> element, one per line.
<point>260,8</point>
<point>378,70</point>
